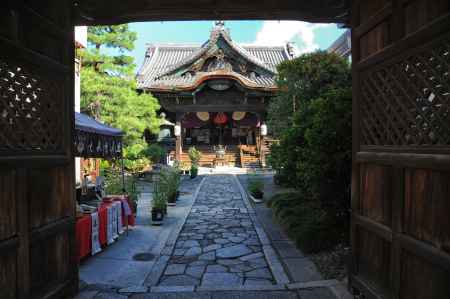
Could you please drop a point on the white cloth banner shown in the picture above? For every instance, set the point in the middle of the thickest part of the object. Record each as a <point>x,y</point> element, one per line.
<point>109,226</point>
<point>96,248</point>
<point>119,217</point>
<point>114,223</point>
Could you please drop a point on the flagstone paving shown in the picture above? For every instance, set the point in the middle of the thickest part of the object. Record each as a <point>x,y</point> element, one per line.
<point>218,244</point>
<point>216,249</point>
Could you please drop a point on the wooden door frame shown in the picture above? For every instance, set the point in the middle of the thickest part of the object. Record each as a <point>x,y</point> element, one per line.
<point>400,160</point>
<point>46,64</point>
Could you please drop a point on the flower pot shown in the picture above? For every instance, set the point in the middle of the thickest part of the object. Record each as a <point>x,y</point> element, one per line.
<point>258,198</point>
<point>157,216</point>
<point>194,173</point>
<point>258,194</point>
<point>255,200</point>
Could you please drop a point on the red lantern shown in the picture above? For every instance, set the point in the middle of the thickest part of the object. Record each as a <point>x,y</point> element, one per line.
<point>220,119</point>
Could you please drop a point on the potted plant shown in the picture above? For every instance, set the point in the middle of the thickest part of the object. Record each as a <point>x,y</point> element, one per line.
<point>194,171</point>
<point>255,188</point>
<point>170,182</point>
<point>194,156</point>
<point>158,205</point>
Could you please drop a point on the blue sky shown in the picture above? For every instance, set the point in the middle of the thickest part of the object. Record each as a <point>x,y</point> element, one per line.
<point>307,37</point>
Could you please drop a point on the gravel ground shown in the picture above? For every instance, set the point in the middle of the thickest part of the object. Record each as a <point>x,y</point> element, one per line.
<point>331,264</point>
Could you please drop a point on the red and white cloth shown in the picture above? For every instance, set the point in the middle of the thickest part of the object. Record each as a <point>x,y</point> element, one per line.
<point>95,240</point>
<point>86,228</point>
<point>110,223</point>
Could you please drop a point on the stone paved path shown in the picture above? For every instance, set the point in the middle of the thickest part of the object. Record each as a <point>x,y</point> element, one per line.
<point>218,245</point>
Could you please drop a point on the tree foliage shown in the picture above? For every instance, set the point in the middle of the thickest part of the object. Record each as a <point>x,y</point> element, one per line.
<point>108,89</point>
<point>302,80</point>
<point>314,153</point>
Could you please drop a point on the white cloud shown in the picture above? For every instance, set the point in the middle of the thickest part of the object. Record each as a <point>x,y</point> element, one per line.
<point>280,32</point>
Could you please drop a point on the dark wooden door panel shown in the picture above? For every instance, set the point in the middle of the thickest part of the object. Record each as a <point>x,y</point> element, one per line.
<point>37,207</point>
<point>401,149</point>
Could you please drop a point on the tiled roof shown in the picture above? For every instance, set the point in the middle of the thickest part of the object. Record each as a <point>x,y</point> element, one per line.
<point>159,69</point>
<point>342,46</point>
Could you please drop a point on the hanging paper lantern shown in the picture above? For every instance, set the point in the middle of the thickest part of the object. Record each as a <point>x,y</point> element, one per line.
<point>238,115</point>
<point>220,119</point>
<point>263,129</point>
<point>177,130</point>
<point>203,116</point>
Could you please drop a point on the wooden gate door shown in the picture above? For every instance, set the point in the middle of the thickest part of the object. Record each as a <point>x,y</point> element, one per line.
<point>36,163</point>
<point>401,149</point>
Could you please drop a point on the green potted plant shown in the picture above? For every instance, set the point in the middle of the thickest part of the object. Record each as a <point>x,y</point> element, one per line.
<point>170,182</point>
<point>255,188</point>
<point>194,156</point>
<point>158,205</point>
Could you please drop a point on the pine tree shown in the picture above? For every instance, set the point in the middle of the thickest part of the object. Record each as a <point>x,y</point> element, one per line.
<point>108,89</point>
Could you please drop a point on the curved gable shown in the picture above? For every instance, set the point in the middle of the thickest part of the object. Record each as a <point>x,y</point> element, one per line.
<point>182,67</point>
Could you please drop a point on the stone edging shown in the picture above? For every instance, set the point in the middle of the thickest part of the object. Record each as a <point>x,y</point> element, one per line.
<point>334,285</point>
<point>275,265</point>
<point>161,262</point>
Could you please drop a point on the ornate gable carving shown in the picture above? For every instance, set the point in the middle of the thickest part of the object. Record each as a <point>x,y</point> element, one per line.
<point>221,56</point>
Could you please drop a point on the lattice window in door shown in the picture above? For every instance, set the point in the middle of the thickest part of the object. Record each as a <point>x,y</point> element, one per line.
<point>406,101</point>
<point>30,111</point>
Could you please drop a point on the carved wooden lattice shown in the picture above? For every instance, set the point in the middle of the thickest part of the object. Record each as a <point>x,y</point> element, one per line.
<point>30,118</point>
<point>406,101</point>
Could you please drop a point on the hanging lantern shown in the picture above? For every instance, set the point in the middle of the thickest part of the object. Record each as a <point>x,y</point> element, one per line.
<point>263,129</point>
<point>177,130</point>
<point>238,115</point>
<point>220,119</point>
<point>203,116</point>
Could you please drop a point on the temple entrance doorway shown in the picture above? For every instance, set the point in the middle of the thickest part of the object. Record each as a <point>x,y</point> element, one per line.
<point>220,129</point>
<point>228,134</point>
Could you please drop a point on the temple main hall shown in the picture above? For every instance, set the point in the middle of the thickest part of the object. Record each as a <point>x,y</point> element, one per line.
<point>214,96</point>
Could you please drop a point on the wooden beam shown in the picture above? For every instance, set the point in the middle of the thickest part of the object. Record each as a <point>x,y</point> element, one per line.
<point>373,21</point>
<point>117,11</point>
<point>380,230</point>
<point>425,251</point>
<point>407,44</point>
<point>355,181</point>
<point>48,66</point>
<point>432,161</point>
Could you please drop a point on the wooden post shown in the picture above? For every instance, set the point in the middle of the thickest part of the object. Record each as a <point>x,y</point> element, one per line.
<point>262,154</point>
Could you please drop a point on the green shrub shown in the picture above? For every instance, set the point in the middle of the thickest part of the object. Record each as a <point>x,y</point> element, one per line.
<point>255,186</point>
<point>155,153</point>
<point>311,227</point>
<point>314,150</point>
<point>283,201</point>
